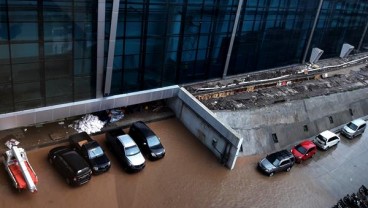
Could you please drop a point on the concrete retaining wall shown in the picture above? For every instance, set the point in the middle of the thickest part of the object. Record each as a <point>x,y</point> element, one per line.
<point>293,121</point>
<point>223,141</point>
<point>52,113</point>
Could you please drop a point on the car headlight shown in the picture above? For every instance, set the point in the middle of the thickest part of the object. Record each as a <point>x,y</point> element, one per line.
<point>95,168</point>
<point>153,154</point>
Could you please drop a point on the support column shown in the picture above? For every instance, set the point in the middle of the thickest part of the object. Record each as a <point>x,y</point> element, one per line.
<point>236,23</point>
<point>312,31</point>
<point>362,39</point>
<point>111,52</point>
<point>100,47</point>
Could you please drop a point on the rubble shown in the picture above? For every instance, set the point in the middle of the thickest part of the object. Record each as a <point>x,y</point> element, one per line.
<point>88,123</point>
<point>220,95</point>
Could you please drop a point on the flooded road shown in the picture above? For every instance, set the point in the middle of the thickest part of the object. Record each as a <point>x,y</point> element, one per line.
<point>190,176</point>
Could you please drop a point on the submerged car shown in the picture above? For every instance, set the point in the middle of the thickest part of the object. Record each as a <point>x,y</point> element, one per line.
<point>126,150</point>
<point>326,140</point>
<point>147,140</point>
<point>70,165</point>
<point>304,150</point>
<point>278,161</point>
<point>354,128</point>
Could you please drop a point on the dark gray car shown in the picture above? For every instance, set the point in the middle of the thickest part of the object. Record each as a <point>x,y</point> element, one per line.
<point>278,161</point>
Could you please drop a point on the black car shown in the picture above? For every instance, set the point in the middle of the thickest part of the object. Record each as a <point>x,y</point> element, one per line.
<point>91,151</point>
<point>147,140</point>
<point>278,161</point>
<point>70,165</point>
<point>125,150</point>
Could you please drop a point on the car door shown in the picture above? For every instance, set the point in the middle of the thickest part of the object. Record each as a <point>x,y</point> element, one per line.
<point>309,153</point>
<point>283,165</point>
<point>361,129</point>
<point>332,141</point>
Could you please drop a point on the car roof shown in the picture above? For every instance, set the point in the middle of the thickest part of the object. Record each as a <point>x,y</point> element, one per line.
<point>358,121</point>
<point>307,144</point>
<point>328,134</point>
<point>75,161</point>
<point>126,140</point>
<point>282,154</point>
<point>144,128</point>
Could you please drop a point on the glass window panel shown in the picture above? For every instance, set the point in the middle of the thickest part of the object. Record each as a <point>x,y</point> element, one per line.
<point>131,80</point>
<point>24,52</point>
<point>58,68</point>
<point>154,45</point>
<point>83,86</point>
<point>4,54</point>
<point>28,105</point>
<point>83,31</point>
<point>60,49</point>
<point>118,63</point>
<point>6,99</point>
<point>203,42</point>
<point>3,32</point>
<point>119,47</point>
<point>23,31</point>
<point>156,28</point>
<point>58,100</point>
<point>26,72</point>
<point>133,29</point>
<point>132,46</point>
<point>58,31</point>
<point>201,55</point>
<point>5,75</point>
<point>23,16</point>
<point>59,87</point>
<point>83,49</point>
<point>131,62</point>
<point>82,66</point>
<point>27,91</point>
<point>25,3</point>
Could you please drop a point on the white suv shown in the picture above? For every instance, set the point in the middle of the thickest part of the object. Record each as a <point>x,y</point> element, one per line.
<point>326,139</point>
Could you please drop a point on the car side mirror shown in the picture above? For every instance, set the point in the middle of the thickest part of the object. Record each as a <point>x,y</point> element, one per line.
<point>144,143</point>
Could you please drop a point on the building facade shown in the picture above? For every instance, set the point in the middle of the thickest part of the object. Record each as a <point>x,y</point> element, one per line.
<point>62,51</point>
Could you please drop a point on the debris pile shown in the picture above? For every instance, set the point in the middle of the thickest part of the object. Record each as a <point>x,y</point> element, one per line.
<point>88,123</point>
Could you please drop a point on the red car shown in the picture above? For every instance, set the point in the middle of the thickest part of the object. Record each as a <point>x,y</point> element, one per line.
<point>304,150</point>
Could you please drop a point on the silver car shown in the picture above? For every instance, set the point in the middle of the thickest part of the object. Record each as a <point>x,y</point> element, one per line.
<point>354,128</point>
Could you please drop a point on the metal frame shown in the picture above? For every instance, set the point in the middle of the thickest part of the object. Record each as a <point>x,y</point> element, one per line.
<point>111,51</point>
<point>100,46</point>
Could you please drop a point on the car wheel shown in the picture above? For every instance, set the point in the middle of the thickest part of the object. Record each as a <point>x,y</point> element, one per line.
<point>67,180</point>
<point>288,169</point>
<point>50,161</point>
<point>271,174</point>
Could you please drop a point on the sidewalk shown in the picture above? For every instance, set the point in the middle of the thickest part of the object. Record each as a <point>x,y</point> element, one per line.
<point>42,135</point>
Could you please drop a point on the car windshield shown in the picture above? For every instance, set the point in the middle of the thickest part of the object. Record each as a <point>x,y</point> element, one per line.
<point>132,150</point>
<point>95,152</point>
<point>322,139</point>
<point>153,141</point>
<point>273,159</point>
<point>301,149</point>
<point>352,126</point>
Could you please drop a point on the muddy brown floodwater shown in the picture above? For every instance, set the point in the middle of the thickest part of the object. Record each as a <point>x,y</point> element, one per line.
<point>188,176</point>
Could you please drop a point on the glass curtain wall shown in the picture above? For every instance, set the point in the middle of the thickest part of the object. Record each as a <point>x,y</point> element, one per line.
<point>339,22</point>
<point>271,33</point>
<point>162,42</point>
<point>47,53</point>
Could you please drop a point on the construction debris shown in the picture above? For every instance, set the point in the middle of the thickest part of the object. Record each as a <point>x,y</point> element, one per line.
<point>88,123</point>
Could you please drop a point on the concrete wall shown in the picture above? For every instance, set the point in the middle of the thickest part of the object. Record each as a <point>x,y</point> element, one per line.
<point>52,113</point>
<point>218,137</point>
<point>289,120</point>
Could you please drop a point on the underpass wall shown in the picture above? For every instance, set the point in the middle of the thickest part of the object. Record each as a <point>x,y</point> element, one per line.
<point>278,126</point>
<point>218,137</point>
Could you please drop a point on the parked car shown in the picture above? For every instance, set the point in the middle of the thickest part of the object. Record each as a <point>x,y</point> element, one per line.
<point>70,165</point>
<point>304,150</point>
<point>326,140</point>
<point>354,128</point>
<point>278,161</point>
<point>91,151</point>
<point>126,150</point>
<point>147,140</point>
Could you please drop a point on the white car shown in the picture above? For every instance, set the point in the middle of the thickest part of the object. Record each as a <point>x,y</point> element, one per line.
<point>326,139</point>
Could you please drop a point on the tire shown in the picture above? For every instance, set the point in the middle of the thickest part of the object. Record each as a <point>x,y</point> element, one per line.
<point>288,169</point>
<point>271,174</point>
<point>67,180</point>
